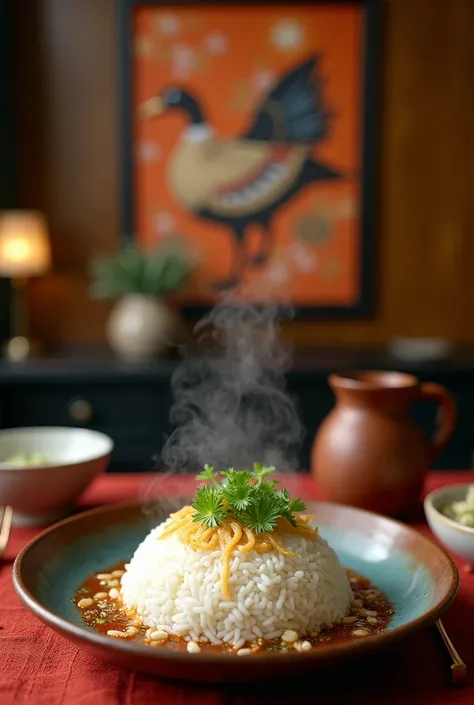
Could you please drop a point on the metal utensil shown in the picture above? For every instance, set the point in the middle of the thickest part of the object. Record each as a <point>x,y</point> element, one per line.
<point>6,514</point>
<point>458,667</point>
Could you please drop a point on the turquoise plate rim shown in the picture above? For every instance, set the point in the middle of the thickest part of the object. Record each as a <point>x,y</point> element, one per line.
<point>88,638</point>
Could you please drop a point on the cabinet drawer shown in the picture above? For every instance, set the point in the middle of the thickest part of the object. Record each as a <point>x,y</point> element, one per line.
<point>135,414</point>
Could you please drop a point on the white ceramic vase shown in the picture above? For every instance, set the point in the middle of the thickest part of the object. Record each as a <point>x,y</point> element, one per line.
<point>140,328</point>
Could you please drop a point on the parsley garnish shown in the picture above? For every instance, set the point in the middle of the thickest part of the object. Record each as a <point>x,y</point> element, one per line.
<point>263,512</point>
<point>208,474</point>
<point>289,506</point>
<point>236,488</point>
<point>209,506</point>
<point>245,496</point>
<point>259,472</point>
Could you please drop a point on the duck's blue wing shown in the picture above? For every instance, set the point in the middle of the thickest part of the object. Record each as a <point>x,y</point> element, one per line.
<point>293,110</point>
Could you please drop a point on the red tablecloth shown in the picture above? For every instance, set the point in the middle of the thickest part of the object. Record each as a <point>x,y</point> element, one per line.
<point>39,667</point>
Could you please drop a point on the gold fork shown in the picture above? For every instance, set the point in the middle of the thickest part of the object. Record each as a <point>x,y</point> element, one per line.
<point>458,667</point>
<point>6,514</point>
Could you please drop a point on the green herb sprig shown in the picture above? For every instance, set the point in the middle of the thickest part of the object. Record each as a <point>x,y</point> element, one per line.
<point>245,496</point>
<point>209,506</point>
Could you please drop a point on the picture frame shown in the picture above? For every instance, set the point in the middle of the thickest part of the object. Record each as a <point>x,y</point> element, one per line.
<point>350,299</point>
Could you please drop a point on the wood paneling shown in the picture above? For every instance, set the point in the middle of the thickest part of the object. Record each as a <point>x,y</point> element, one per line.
<point>7,145</point>
<point>67,112</point>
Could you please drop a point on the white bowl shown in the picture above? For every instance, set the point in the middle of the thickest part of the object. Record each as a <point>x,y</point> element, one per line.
<point>457,538</point>
<point>42,494</point>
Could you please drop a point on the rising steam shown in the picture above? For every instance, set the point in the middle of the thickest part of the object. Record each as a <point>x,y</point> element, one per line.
<point>231,406</point>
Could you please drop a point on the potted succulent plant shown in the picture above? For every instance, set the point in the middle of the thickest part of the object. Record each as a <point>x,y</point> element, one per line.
<point>141,325</point>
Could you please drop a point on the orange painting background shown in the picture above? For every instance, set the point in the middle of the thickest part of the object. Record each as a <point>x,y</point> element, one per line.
<point>229,56</point>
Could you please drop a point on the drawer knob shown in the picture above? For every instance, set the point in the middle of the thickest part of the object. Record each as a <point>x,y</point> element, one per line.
<point>80,411</point>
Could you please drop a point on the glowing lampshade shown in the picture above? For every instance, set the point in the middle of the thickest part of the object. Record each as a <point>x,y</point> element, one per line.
<point>24,244</point>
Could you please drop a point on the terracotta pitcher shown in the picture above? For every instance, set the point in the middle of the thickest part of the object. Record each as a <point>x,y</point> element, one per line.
<point>368,452</point>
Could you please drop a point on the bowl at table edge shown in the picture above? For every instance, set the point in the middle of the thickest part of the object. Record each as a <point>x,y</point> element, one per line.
<point>416,574</point>
<point>454,536</point>
<point>42,494</point>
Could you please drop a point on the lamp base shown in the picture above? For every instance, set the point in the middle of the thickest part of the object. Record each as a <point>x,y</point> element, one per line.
<point>20,348</point>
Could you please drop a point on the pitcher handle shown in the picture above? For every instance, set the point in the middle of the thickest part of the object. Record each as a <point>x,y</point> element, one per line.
<point>447,420</point>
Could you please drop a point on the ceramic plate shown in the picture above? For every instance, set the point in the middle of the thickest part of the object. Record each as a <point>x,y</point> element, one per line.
<point>416,574</point>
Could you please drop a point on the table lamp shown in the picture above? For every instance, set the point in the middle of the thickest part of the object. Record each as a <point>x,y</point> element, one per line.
<point>24,252</point>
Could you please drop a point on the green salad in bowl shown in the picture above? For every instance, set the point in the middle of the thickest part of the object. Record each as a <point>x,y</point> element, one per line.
<point>44,470</point>
<point>24,460</point>
<point>462,511</point>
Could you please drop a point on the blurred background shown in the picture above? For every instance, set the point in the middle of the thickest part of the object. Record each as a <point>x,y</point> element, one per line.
<point>59,157</point>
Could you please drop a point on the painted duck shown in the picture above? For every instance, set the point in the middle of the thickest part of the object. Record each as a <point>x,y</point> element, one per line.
<point>244,181</point>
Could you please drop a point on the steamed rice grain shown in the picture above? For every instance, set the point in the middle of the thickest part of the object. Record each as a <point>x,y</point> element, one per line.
<point>178,590</point>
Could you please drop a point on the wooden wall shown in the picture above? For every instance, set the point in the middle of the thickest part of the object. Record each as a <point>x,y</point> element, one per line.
<point>7,144</point>
<point>67,120</point>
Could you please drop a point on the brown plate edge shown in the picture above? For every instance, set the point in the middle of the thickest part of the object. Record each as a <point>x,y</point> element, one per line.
<point>329,653</point>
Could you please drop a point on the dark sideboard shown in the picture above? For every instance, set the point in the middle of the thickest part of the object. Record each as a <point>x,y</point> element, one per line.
<point>131,403</point>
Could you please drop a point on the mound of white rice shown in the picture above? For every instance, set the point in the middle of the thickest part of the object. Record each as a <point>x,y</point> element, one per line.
<point>178,590</point>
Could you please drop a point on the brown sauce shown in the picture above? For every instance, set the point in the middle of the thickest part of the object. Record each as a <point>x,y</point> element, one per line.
<point>104,614</point>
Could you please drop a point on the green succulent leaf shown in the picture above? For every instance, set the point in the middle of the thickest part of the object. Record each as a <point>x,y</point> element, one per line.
<point>136,271</point>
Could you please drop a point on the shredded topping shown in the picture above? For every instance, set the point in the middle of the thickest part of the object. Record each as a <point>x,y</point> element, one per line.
<point>239,510</point>
<point>231,535</point>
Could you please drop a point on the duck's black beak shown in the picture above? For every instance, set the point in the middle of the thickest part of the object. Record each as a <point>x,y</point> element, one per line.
<point>151,108</point>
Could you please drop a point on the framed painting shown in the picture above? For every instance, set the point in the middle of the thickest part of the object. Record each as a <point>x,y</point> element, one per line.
<point>249,133</point>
